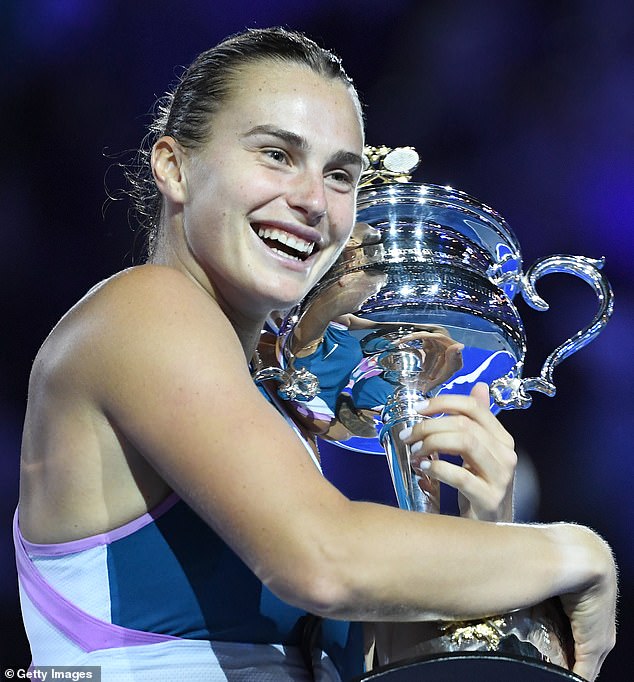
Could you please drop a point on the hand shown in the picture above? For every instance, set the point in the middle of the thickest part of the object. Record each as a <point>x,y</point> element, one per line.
<point>592,607</point>
<point>467,429</point>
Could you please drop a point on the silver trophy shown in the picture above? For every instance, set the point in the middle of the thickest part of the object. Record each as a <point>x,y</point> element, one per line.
<point>420,303</point>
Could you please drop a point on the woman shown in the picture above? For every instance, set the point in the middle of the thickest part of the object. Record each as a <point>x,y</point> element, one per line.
<point>171,524</point>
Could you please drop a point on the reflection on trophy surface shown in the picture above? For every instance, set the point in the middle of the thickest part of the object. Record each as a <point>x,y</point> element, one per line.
<point>420,302</point>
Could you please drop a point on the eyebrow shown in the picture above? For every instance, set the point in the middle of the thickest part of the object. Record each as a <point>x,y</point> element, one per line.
<point>342,157</point>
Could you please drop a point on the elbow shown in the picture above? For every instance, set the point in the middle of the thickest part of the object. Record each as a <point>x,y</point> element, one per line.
<point>316,595</point>
<point>315,592</point>
<point>320,583</point>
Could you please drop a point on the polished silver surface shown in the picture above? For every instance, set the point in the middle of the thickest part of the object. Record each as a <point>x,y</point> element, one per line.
<point>434,261</point>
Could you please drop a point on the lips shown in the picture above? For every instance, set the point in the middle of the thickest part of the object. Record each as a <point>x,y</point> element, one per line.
<point>284,243</point>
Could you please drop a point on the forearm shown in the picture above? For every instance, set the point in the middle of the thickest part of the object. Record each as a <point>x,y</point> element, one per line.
<point>406,566</point>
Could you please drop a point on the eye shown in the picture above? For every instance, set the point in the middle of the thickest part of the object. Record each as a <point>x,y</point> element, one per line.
<point>277,155</point>
<point>341,179</point>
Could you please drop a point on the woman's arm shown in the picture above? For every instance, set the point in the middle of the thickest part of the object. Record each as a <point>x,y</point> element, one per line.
<point>173,379</point>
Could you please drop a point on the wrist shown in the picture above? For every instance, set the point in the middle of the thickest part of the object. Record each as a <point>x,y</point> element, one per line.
<point>582,557</point>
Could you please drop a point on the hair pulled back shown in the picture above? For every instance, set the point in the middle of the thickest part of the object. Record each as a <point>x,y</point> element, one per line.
<point>186,112</point>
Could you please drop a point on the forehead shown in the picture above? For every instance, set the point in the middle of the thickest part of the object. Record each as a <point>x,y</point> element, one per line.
<point>295,96</point>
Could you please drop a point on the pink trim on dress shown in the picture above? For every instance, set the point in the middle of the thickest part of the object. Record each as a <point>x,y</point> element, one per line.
<point>86,631</point>
<point>61,548</point>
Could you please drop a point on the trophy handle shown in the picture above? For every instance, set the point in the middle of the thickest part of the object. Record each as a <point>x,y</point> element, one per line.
<point>511,391</point>
<point>300,384</point>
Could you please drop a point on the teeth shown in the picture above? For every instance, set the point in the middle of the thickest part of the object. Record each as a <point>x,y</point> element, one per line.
<point>290,240</point>
<point>286,255</point>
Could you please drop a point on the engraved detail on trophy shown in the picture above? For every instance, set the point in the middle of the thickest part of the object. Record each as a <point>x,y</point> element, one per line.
<point>384,165</point>
<point>489,631</point>
<point>299,384</point>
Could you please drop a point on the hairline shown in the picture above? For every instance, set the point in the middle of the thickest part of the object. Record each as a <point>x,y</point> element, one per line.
<point>234,72</point>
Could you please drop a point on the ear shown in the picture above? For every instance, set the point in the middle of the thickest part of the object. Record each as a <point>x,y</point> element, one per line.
<point>167,168</point>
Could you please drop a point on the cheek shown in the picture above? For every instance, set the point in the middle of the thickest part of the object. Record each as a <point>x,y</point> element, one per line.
<point>343,221</point>
<point>263,187</point>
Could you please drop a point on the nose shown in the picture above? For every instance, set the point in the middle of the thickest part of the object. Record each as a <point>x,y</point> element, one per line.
<point>307,195</point>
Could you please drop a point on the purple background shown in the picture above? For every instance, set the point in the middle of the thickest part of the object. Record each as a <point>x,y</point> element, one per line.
<point>528,105</point>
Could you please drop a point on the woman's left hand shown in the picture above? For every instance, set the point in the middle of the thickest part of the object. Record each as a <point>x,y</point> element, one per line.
<point>467,429</point>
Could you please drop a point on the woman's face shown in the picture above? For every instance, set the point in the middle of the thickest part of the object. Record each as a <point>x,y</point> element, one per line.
<point>270,198</point>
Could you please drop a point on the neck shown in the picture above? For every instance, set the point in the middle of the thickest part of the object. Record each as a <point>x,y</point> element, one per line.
<point>248,335</point>
<point>247,324</point>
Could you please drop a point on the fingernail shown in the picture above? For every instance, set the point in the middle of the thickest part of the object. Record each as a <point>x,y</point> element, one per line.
<point>416,447</point>
<point>405,433</point>
<point>421,405</point>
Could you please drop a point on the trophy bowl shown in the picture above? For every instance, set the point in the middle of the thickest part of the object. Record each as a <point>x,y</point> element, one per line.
<point>421,302</point>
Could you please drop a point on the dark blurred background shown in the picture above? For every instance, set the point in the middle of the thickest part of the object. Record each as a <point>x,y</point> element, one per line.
<point>528,105</point>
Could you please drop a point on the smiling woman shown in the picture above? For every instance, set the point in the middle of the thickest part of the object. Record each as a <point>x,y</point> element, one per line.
<point>284,169</point>
<point>171,523</point>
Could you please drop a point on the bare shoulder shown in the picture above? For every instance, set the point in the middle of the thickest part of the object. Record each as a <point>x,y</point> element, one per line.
<point>136,312</point>
<point>142,285</point>
<point>106,376</point>
<point>150,290</point>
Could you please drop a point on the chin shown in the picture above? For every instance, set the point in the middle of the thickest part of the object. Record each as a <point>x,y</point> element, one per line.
<point>288,293</point>
<point>284,303</point>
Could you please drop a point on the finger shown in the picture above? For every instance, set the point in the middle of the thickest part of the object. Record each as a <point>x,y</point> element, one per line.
<point>462,434</point>
<point>485,501</point>
<point>495,461</point>
<point>481,454</point>
<point>429,335</point>
<point>470,406</point>
<point>588,663</point>
<point>439,366</point>
<point>362,234</point>
<point>457,477</point>
<point>480,392</point>
<point>586,669</point>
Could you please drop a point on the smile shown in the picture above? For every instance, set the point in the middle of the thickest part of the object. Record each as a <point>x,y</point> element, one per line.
<point>284,243</point>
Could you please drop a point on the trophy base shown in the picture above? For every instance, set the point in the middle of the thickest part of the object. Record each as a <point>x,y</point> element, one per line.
<point>473,666</point>
<point>541,632</point>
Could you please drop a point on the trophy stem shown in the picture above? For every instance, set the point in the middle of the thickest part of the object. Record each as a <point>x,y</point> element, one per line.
<point>413,492</point>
